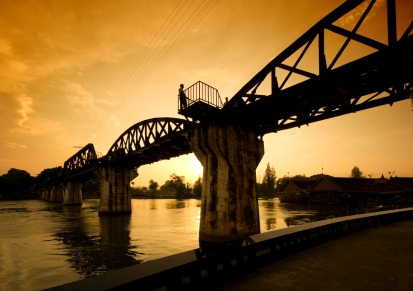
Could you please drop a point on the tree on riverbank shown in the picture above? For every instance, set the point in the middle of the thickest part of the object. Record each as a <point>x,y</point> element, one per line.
<point>16,185</point>
<point>152,187</point>
<point>356,173</point>
<point>178,184</point>
<point>198,188</point>
<point>47,176</point>
<point>267,187</point>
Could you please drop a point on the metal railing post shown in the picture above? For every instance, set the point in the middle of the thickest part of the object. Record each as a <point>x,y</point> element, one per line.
<point>204,93</point>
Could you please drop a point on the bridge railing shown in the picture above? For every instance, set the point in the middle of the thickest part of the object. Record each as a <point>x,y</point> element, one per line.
<point>201,92</point>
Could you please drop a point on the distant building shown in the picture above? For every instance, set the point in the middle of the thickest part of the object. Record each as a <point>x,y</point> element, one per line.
<point>295,191</point>
<point>392,192</point>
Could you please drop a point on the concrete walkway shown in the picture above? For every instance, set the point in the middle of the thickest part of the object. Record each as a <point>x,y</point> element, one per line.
<point>374,259</point>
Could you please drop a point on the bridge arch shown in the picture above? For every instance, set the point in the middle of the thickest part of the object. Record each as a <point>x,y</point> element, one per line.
<point>150,141</point>
<point>80,161</point>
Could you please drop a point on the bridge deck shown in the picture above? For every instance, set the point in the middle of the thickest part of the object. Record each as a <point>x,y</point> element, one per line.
<point>374,259</point>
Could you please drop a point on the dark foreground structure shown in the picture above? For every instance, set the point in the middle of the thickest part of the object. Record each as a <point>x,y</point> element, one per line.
<point>360,252</point>
<point>374,259</point>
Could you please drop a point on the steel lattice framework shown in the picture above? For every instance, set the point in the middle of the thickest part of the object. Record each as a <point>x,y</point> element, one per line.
<point>81,162</point>
<point>150,141</point>
<point>382,77</point>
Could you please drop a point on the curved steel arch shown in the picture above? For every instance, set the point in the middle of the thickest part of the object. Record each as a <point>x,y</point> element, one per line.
<point>81,161</point>
<point>151,140</point>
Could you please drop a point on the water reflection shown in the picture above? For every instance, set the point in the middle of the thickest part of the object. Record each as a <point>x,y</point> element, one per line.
<point>153,204</point>
<point>97,245</point>
<point>268,204</point>
<point>176,204</point>
<point>276,215</point>
<point>271,223</point>
<point>115,246</point>
<point>267,211</point>
<point>73,242</point>
<point>95,248</point>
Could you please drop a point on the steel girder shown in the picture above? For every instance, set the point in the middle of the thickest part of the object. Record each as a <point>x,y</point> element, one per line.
<point>150,141</point>
<point>80,163</point>
<point>383,77</point>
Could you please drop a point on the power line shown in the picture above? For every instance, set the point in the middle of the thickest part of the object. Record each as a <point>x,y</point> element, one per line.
<point>133,68</point>
<point>150,58</point>
<point>176,40</point>
<point>147,62</point>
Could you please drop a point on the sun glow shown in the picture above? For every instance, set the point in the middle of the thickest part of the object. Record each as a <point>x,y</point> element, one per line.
<point>197,168</point>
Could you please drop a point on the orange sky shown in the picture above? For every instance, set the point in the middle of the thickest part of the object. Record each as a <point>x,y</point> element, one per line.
<point>77,72</point>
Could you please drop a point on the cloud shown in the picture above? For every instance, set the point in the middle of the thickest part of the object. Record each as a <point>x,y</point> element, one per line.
<point>79,98</point>
<point>113,120</point>
<point>38,40</point>
<point>26,107</point>
<point>41,126</point>
<point>18,116</point>
<point>14,145</point>
<point>5,47</point>
<point>98,110</point>
<point>349,19</point>
<point>16,108</point>
<point>109,102</point>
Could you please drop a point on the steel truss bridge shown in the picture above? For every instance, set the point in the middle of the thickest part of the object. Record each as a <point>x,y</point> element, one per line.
<point>144,143</point>
<point>382,77</point>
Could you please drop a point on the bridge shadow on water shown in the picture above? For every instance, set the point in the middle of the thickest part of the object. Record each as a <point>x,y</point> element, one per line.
<point>94,245</point>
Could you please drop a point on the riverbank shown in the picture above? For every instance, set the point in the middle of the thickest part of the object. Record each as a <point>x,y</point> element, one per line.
<point>349,253</point>
<point>374,259</point>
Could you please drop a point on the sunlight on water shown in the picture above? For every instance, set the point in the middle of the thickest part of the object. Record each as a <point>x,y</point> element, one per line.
<point>44,244</point>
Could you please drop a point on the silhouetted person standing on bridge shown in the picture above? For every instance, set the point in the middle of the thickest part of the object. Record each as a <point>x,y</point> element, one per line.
<point>182,97</point>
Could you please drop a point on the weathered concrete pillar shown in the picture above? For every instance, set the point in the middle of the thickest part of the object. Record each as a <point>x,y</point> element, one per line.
<point>53,194</point>
<point>56,193</point>
<point>44,194</point>
<point>229,208</point>
<point>59,193</point>
<point>115,195</point>
<point>47,194</point>
<point>72,193</point>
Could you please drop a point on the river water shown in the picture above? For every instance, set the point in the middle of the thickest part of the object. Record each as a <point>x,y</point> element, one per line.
<point>45,244</point>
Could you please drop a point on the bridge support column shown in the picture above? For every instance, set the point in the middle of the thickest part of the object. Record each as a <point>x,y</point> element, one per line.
<point>72,193</point>
<point>115,196</point>
<point>229,208</point>
<point>47,194</point>
<point>56,193</point>
<point>52,194</point>
<point>44,194</point>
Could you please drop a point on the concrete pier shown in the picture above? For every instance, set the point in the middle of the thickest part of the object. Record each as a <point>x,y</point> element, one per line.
<point>72,193</point>
<point>115,195</point>
<point>45,194</point>
<point>56,193</point>
<point>229,209</point>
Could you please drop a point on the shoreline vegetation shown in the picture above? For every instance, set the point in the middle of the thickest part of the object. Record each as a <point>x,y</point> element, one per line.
<point>355,191</point>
